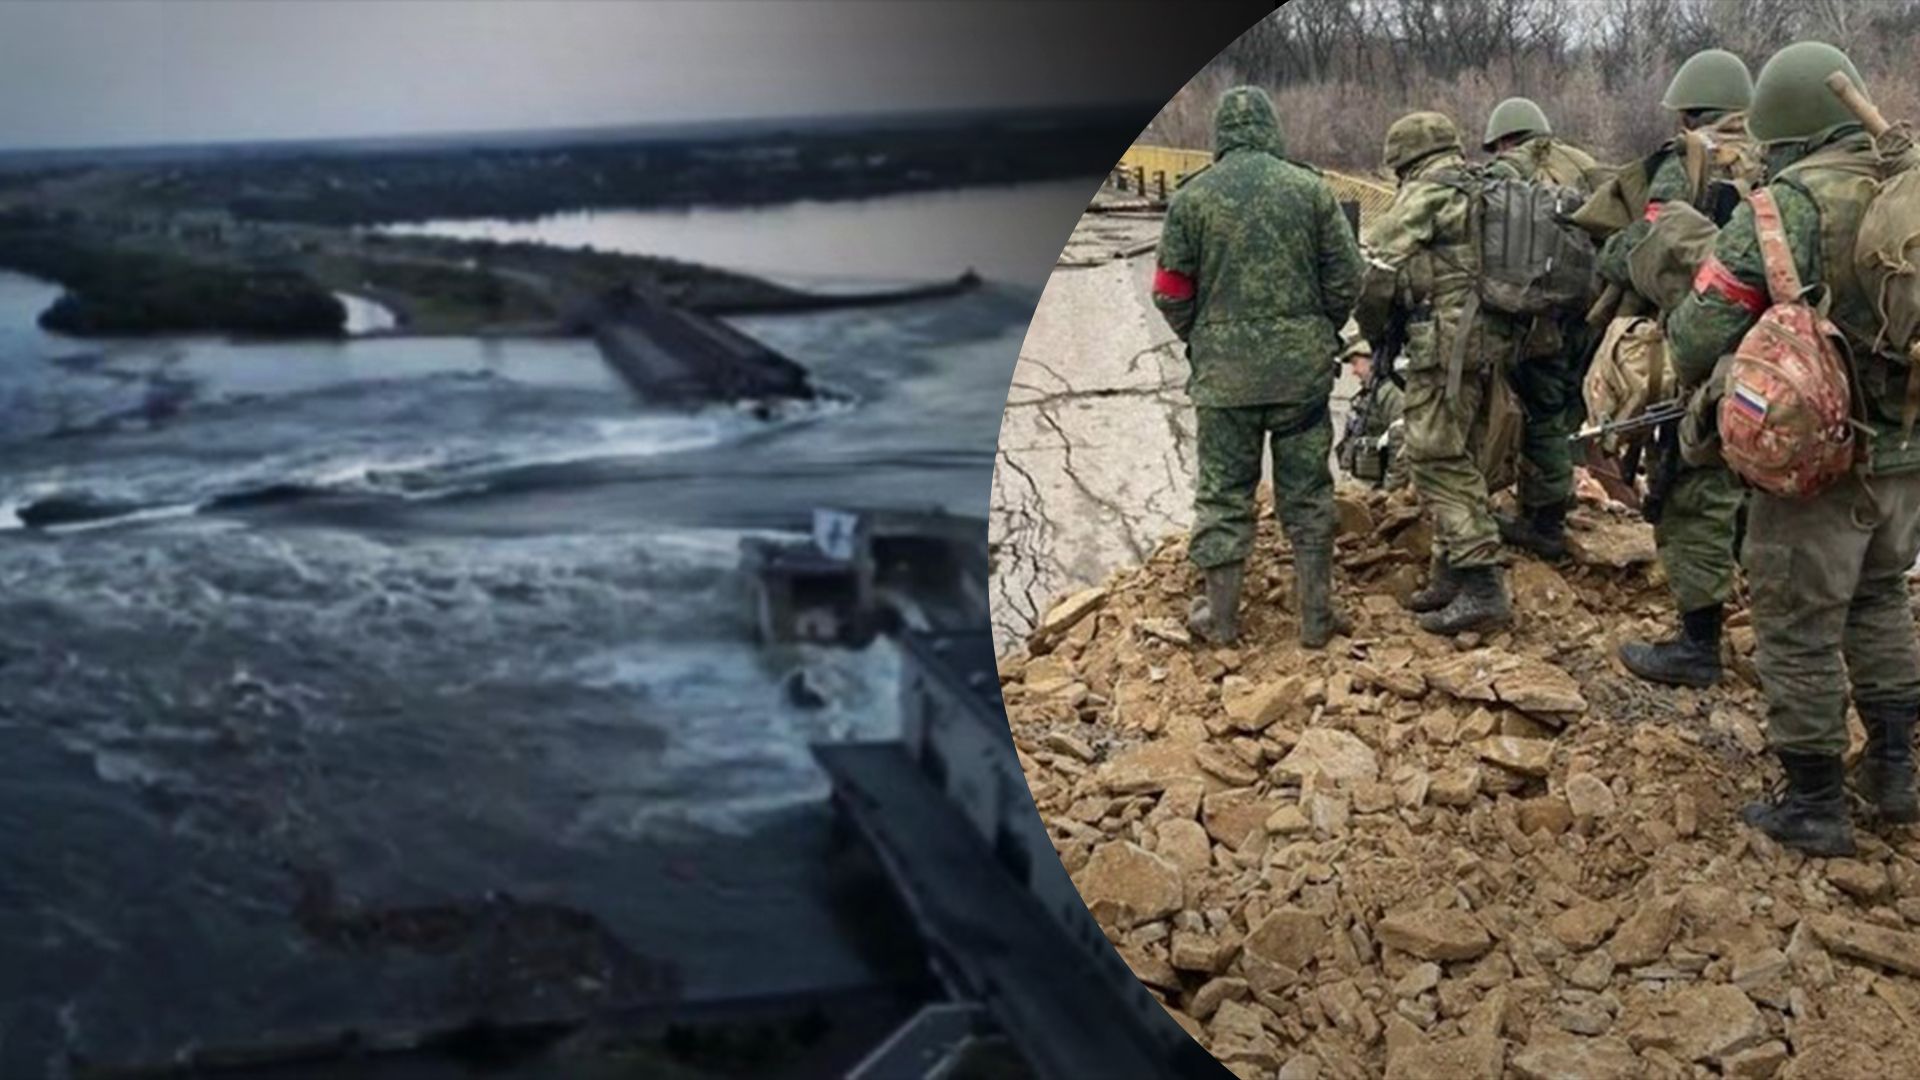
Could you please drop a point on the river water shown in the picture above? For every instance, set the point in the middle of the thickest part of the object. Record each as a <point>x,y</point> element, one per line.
<point>429,621</point>
<point>920,236</point>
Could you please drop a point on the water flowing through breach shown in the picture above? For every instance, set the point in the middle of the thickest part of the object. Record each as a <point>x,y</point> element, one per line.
<point>332,675</point>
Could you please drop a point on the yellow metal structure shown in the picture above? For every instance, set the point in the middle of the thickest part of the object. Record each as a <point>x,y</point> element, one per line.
<point>1145,166</point>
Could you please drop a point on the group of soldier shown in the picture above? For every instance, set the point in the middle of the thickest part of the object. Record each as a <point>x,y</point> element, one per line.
<point>1259,270</point>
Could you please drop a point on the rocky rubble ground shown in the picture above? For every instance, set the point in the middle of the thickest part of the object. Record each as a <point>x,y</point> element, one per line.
<point>1419,858</point>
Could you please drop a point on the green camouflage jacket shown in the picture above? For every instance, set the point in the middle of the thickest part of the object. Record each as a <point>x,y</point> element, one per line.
<point>1258,267</point>
<point>1821,194</point>
<point>1421,261</point>
<point>1667,182</point>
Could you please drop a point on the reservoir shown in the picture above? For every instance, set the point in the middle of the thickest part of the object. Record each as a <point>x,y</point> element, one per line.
<point>916,237</point>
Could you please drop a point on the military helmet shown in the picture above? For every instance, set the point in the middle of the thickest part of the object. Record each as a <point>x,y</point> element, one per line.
<point>1790,98</point>
<point>1710,79</point>
<point>1515,116</point>
<point>1418,135</point>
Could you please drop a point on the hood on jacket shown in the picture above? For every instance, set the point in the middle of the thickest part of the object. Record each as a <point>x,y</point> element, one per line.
<point>1244,120</point>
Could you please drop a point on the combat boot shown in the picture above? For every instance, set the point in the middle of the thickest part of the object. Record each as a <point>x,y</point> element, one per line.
<point>1480,605</point>
<point>1320,620</point>
<point>1810,814</point>
<point>1215,617</point>
<point>1542,530</point>
<point>1885,774</point>
<point>1442,586</point>
<point>1692,659</point>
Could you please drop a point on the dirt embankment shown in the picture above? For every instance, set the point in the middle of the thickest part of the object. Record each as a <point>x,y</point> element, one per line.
<point>1417,858</point>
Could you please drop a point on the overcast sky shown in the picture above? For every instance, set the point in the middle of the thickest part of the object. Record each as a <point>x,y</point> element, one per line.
<point>133,71</point>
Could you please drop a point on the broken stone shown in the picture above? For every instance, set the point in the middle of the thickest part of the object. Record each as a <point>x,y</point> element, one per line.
<point>1593,972</point>
<point>1549,813</point>
<point>1337,755</point>
<point>1865,882</point>
<point>1892,949</point>
<point>1758,967</point>
<point>1186,843</point>
<point>1219,761</point>
<point>1255,706</point>
<point>1554,1055</point>
<point>1760,1063</point>
<point>1589,797</point>
<point>1583,1018</point>
<point>1619,544</point>
<point>1705,1023</point>
<point>1149,965</point>
<point>1192,951</point>
<point>1455,787</point>
<point>1065,615</point>
<point>1289,937</point>
<point>1147,885</point>
<point>1528,757</point>
<point>1493,675</point>
<point>1168,630</point>
<point>1069,744</point>
<point>1480,1056</point>
<point>1419,979</point>
<point>1434,935</point>
<point>1644,937</point>
<point>1328,813</point>
<point>1288,821</point>
<point>1233,817</point>
<point>1583,926</point>
<point>1209,997</point>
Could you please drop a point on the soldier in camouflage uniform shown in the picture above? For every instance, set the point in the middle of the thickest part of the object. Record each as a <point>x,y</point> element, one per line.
<point>1257,272</point>
<point>1385,432</point>
<point>1700,515</point>
<point>1827,573</point>
<point>1547,378</point>
<point>1421,260</point>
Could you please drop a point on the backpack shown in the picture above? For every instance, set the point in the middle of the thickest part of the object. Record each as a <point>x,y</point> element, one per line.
<point>1630,371</point>
<point>1785,416</point>
<point>1883,257</point>
<point>1533,260</point>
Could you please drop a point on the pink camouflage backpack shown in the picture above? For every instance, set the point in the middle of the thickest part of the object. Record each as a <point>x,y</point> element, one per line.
<point>1786,424</point>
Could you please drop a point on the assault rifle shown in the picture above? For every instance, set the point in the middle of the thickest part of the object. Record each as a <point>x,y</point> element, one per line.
<point>1655,415</point>
<point>1662,419</point>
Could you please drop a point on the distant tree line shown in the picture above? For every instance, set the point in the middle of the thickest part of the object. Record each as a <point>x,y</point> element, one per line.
<point>117,292</point>
<point>1341,70</point>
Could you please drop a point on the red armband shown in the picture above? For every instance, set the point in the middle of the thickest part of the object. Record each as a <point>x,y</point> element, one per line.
<point>1653,211</point>
<point>1172,284</point>
<point>1715,277</point>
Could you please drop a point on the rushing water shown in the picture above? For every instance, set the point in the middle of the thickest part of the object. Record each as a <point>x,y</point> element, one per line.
<point>428,619</point>
<point>914,237</point>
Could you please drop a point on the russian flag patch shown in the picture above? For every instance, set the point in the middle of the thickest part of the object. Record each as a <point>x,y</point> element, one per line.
<point>1749,401</point>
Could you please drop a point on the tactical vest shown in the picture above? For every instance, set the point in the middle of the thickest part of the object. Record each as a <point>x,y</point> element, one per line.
<point>1841,179</point>
<point>1442,274</point>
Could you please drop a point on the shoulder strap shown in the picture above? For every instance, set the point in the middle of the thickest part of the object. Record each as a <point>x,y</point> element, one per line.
<point>1783,281</point>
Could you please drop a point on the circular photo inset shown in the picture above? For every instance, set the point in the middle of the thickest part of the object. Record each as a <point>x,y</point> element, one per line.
<point>1450,586</point>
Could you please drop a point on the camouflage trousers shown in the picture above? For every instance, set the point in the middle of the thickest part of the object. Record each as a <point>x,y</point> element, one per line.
<point>1695,535</point>
<point>1440,435</point>
<point>1231,443</point>
<point>1549,394</point>
<point>1830,606</point>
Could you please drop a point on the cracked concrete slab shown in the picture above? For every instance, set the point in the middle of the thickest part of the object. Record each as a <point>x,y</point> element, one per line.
<point>1096,458</point>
